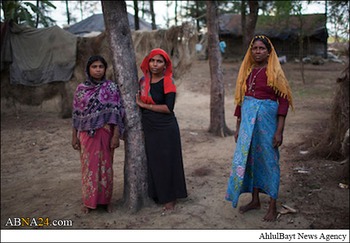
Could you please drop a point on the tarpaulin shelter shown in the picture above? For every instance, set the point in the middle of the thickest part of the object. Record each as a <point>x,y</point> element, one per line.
<point>95,25</point>
<point>37,56</point>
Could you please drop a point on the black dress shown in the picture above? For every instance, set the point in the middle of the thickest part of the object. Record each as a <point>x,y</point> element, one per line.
<point>166,178</point>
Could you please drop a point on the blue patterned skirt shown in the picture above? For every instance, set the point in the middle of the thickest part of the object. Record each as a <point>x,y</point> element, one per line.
<point>255,161</point>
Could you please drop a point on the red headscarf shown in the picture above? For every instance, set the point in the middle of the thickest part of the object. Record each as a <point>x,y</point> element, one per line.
<point>169,85</point>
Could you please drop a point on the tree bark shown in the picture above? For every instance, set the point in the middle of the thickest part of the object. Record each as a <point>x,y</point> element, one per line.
<point>243,22</point>
<point>136,17</point>
<point>249,22</point>
<point>175,10</point>
<point>125,73</point>
<point>301,45</point>
<point>154,26</point>
<point>217,93</point>
<point>68,13</point>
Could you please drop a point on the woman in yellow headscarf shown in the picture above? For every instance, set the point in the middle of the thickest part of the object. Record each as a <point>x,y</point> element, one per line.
<point>262,99</point>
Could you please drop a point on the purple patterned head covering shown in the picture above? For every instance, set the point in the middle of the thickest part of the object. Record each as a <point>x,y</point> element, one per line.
<point>96,104</point>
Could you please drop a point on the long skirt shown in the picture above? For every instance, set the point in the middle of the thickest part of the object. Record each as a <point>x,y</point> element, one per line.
<point>166,177</point>
<point>96,165</point>
<point>255,161</point>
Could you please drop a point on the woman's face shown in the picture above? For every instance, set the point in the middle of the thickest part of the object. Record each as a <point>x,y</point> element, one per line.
<point>97,70</point>
<point>259,52</point>
<point>157,64</point>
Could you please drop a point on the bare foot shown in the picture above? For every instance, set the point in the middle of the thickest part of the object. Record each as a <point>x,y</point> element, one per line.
<point>85,210</point>
<point>250,206</point>
<point>169,205</point>
<point>168,208</point>
<point>271,215</point>
<point>109,208</point>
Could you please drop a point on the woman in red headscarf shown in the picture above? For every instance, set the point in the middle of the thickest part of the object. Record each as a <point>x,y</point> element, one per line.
<point>166,178</point>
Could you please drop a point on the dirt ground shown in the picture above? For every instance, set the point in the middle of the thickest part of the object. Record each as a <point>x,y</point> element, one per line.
<point>40,172</point>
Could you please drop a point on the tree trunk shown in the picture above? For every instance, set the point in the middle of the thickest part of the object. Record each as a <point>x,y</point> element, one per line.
<point>243,23</point>
<point>68,13</point>
<point>197,17</point>
<point>136,17</point>
<point>325,43</point>
<point>248,29</point>
<point>37,14</point>
<point>175,12</point>
<point>125,73</point>
<point>217,93</point>
<point>301,41</point>
<point>301,56</point>
<point>167,14</point>
<point>154,26</point>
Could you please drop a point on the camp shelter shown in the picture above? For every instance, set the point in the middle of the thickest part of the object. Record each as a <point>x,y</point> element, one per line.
<point>283,31</point>
<point>37,56</point>
<point>95,25</point>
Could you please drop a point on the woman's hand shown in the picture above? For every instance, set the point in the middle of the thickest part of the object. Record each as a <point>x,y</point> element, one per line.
<point>238,124</point>
<point>277,139</point>
<point>236,135</point>
<point>115,142</point>
<point>75,143</point>
<point>278,136</point>
<point>139,102</point>
<point>75,139</point>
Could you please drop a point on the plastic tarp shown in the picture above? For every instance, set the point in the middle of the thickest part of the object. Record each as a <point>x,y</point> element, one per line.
<point>40,56</point>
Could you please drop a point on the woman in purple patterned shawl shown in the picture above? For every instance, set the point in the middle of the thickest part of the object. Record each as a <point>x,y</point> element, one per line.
<point>97,127</point>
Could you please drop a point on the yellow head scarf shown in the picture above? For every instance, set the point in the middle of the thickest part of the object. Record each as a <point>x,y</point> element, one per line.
<point>275,75</point>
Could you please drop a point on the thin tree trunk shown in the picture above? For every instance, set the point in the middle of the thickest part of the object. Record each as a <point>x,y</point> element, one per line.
<point>252,18</point>
<point>197,17</point>
<point>301,46</point>
<point>325,43</point>
<point>136,16</point>
<point>175,12</point>
<point>37,14</point>
<point>167,14</point>
<point>143,10</point>
<point>81,9</point>
<point>125,72</point>
<point>217,93</point>
<point>249,22</point>
<point>301,55</point>
<point>68,14</point>
<point>243,23</point>
<point>154,26</point>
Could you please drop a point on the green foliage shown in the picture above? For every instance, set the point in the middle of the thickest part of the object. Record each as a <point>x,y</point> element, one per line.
<point>267,7</point>
<point>229,7</point>
<point>198,9</point>
<point>283,8</point>
<point>22,12</point>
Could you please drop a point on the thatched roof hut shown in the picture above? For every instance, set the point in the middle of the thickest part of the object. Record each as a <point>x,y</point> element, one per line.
<point>283,31</point>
